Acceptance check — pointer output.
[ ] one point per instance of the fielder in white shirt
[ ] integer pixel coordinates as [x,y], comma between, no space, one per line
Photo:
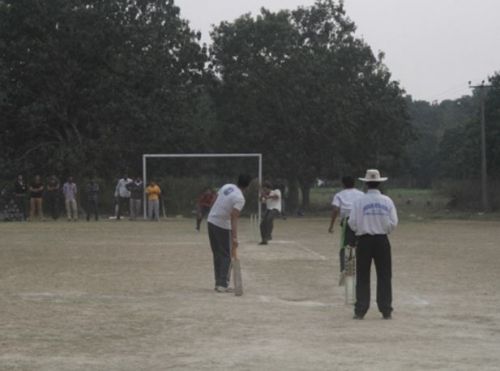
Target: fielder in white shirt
[372,218]
[341,206]
[222,224]
[272,198]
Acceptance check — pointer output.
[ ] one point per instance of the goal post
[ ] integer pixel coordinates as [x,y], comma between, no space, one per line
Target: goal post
[257,156]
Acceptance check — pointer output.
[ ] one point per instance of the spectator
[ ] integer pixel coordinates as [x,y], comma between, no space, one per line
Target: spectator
[70,191]
[136,193]
[20,192]
[36,198]
[123,195]
[52,195]
[92,199]
[153,192]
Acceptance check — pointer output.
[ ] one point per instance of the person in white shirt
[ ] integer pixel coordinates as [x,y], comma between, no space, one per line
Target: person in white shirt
[69,190]
[272,198]
[222,224]
[341,206]
[372,218]
[122,194]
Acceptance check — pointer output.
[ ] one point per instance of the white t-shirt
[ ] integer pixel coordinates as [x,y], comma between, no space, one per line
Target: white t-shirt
[372,214]
[229,197]
[274,203]
[344,200]
[121,188]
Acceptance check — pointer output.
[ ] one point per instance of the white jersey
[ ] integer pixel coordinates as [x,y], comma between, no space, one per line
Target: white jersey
[229,197]
[344,200]
[274,203]
[372,214]
[121,188]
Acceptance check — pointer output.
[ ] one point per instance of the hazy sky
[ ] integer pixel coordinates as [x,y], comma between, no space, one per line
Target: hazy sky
[433,47]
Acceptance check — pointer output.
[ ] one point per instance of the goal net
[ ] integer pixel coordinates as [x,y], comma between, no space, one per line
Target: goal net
[183,177]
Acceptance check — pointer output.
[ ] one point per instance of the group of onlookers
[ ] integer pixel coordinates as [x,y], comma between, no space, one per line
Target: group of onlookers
[36,196]
[130,192]
[40,196]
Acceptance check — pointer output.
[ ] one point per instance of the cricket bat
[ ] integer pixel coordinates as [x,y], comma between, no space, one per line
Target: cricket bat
[238,283]
[350,275]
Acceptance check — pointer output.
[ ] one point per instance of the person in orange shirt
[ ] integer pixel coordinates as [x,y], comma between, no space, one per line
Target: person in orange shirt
[153,192]
[205,201]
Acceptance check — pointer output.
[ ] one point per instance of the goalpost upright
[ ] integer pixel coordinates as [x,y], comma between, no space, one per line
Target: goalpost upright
[258,156]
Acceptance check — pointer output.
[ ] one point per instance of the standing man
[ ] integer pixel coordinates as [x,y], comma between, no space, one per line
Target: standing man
[153,192]
[341,206]
[272,198]
[372,218]
[52,196]
[92,199]
[136,192]
[122,194]
[70,191]
[223,229]
[20,192]
[36,198]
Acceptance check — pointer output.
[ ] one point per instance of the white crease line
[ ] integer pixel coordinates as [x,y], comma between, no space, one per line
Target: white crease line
[302,303]
[418,301]
[311,252]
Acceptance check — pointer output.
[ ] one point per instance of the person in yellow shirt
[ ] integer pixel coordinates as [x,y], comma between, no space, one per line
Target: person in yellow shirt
[153,192]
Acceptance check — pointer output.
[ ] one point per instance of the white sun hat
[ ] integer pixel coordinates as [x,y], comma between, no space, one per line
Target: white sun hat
[373,175]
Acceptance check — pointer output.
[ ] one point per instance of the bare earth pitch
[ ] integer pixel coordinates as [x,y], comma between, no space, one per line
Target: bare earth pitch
[139,296]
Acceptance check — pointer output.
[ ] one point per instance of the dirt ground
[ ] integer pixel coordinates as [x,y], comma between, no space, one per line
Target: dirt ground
[139,296]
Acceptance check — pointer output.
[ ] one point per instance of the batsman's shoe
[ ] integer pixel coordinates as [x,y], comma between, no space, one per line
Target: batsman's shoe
[223,289]
[358,316]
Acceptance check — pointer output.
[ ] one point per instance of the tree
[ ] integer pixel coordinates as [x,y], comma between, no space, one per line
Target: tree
[89,85]
[301,88]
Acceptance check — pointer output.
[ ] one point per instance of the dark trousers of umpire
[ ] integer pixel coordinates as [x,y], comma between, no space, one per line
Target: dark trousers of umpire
[267,224]
[378,249]
[220,242]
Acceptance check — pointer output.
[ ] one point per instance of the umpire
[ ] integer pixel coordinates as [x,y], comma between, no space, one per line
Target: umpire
[372,218]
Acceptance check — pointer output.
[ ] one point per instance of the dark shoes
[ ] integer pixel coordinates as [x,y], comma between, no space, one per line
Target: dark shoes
[386,316]
[358,316]
[263,243]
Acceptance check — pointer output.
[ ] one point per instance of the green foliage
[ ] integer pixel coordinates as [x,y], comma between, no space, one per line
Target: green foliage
[90,85]
[309,94]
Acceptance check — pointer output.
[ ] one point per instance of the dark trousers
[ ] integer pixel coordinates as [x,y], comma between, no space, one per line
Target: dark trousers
[267,224]
[21,203]
[378,249]
[92,208]
[52,203]
[220,242]
[123,203]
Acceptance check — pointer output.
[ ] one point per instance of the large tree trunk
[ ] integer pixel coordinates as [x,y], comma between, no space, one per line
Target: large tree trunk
[305,188]
[292,201]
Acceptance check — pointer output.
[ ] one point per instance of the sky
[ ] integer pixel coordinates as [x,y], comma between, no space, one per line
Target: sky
[432,47]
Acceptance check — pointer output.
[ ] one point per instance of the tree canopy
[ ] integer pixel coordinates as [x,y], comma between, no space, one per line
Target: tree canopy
[309,95]
[90,85]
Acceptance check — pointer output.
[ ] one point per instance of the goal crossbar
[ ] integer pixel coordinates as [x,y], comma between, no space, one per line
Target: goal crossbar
[257,156]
